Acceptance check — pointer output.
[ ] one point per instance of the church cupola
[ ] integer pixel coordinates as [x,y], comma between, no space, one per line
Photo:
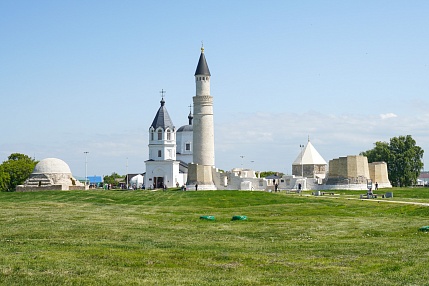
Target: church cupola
[190,117]
[162,118]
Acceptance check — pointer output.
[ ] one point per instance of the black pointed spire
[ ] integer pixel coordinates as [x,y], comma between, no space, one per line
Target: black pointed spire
[202,67]
[190,116]
[162,118]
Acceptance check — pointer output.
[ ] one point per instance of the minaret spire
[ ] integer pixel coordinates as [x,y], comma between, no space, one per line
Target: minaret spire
[202,67]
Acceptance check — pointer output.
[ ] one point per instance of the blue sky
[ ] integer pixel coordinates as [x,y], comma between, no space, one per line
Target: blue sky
[80,76]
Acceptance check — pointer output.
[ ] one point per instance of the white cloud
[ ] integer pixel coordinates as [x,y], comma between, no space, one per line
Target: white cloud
[388,115]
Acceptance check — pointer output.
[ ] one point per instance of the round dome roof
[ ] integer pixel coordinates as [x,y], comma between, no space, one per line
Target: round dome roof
[51,165]
[185,128]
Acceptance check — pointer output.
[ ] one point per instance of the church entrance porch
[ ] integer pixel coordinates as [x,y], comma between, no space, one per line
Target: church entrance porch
[158,182]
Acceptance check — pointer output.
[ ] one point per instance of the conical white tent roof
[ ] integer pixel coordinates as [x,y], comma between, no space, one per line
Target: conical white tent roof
[137,180]
[310,156]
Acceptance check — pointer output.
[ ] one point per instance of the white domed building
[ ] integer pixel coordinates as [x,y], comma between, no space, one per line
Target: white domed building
[50,174]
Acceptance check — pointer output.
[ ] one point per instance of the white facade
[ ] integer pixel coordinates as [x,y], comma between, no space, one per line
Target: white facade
[162,144]
[159,173]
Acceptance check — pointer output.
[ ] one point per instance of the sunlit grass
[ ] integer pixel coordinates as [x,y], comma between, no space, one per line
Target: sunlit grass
[157,238]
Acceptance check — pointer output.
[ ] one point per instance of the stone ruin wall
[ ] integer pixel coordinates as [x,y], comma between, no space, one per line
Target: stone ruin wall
[378,172]
[349,167]
[357,166]
[348,170]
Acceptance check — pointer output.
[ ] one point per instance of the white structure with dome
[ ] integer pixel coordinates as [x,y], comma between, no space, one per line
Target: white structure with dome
[51,174]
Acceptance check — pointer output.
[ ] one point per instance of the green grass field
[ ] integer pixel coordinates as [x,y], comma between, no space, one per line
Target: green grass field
[158,238]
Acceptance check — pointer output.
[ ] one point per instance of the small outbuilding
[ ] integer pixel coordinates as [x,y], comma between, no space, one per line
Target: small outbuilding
[309,163]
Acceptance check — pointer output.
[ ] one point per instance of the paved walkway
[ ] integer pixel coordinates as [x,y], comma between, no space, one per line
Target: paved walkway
[376,200]
[398,202]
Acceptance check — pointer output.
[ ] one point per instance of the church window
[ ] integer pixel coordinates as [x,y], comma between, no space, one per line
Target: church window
[188,147]
[168,134]
[159,153]
[159,134]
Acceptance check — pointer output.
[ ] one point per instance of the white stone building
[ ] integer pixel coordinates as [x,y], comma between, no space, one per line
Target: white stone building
[162,168]
[51,174]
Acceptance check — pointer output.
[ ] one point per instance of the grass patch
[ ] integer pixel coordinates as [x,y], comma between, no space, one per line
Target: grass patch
[157,238]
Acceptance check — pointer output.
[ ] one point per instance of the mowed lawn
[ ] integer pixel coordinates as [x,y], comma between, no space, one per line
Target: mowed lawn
[158,238]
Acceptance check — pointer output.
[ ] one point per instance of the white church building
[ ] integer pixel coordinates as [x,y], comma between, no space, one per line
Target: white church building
[162,167]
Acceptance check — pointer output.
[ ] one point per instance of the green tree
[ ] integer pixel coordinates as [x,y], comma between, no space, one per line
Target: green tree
[15,171]
[269,173]
[111,179]
[4,179]
[403,158]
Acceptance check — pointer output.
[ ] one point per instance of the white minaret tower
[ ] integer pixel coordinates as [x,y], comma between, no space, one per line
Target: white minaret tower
[203,116]
[201,170]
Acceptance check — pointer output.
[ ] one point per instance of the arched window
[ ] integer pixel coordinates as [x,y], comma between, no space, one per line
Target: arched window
[160,134]
[151,135]
[168,134]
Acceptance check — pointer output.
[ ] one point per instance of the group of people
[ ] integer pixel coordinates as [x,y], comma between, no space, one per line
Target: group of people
[183,188]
